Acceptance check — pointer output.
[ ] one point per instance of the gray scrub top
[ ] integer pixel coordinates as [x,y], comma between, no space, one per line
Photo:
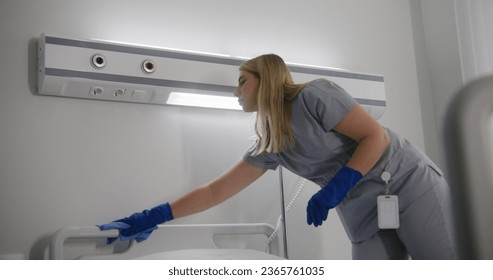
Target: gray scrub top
[319,152]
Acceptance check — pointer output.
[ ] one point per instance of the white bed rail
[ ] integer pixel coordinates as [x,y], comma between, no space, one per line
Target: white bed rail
[468,142]
[163,239]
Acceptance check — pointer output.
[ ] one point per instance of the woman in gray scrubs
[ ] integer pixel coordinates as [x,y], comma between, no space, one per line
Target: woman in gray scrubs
[318,131]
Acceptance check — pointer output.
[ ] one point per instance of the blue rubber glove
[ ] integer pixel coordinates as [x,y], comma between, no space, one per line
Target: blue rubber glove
[331,195]
[139,226]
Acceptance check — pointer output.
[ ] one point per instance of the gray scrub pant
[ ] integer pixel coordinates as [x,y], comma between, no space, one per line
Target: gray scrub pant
[425,232]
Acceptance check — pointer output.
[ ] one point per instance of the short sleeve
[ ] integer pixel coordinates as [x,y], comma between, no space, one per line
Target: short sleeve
[327,102]
[260,161]
[319,107]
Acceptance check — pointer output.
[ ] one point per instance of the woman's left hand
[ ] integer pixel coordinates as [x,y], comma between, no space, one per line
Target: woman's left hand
[331,195]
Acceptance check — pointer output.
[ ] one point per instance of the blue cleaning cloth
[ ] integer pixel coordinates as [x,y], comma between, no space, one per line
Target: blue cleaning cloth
[140,236]
[139,226]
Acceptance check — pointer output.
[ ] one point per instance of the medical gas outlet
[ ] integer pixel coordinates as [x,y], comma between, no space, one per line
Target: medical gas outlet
[102,70]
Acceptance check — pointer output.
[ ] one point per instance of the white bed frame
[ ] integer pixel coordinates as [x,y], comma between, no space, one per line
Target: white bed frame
[172,238]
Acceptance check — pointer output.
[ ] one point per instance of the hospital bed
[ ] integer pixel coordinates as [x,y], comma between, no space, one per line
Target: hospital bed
[468,148]
[176,242]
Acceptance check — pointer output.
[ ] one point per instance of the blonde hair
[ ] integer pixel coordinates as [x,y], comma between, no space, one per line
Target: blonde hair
[275,92]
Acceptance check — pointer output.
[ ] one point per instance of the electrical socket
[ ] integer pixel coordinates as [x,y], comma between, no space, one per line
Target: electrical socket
[119,92]
[96,91]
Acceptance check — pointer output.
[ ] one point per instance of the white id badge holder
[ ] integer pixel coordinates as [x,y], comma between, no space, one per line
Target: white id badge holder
[387,207]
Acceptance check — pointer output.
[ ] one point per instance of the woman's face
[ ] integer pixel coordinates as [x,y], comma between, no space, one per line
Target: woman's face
[247,91]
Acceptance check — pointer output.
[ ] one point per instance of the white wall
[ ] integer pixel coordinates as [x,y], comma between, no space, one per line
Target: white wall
[453,42]
[79,162]
[437,62]
[475,33]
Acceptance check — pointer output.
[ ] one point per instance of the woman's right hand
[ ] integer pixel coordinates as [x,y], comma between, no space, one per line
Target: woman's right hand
[140,225]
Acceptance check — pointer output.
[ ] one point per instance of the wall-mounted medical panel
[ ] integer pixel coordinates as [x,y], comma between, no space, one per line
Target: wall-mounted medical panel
[101,70]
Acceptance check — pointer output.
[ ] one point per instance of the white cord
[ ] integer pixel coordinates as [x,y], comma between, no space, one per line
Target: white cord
[290,204]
